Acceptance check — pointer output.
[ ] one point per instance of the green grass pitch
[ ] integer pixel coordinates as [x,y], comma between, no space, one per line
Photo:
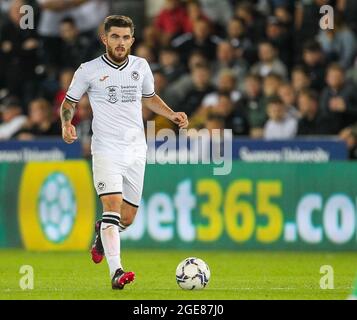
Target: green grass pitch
[235,275]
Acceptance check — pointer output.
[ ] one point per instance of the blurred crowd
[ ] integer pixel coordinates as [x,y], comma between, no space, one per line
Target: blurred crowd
[263,68]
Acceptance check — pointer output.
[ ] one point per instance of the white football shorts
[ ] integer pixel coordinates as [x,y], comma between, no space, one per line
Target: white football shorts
[121,174]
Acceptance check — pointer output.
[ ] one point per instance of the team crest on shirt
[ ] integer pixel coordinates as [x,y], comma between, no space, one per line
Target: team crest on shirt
[112,92]
[101,186]
[135,75]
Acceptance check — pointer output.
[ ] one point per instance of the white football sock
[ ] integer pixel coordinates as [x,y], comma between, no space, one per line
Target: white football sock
[109,233]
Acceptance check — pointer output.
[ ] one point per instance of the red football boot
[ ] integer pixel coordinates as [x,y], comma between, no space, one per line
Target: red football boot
[121,278]
[97,250]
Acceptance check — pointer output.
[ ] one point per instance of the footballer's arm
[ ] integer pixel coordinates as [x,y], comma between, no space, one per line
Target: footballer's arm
[157,105]
[69,134]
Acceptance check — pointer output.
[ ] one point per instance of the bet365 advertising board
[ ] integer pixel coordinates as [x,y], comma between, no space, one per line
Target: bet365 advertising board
[53,206]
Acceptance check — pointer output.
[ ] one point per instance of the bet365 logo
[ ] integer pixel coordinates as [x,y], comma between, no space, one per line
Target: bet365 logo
[327,20]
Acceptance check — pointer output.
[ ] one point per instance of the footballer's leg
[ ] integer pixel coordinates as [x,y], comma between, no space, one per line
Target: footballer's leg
[111,240]
[105,184]
[108,182]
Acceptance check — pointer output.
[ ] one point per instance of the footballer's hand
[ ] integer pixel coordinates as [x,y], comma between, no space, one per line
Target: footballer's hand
[69,134]
[180,118]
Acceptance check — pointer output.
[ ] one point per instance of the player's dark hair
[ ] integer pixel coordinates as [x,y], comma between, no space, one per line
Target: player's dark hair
[118,21]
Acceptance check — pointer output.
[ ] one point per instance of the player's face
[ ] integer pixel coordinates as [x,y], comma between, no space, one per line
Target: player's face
[118,42]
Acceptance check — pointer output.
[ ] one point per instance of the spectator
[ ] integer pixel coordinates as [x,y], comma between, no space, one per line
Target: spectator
[226,84]
[194,13]
[12,118]
[348,8]
[217,102]
[18,55]
[180,88]
[151,37]
[315,64]
[279,125]
[269,61]
[254,21]
[284,16]
[307,18]
[226,60]
[89,14]
[171,20]
[73,47]
[201,39]
[312,121]
[253,106]
[52,13]
[339,99]
[220,12]
[40,122]
[339,43]
[237,36]
[271,85]
[300,79]
[95,46]
[349,136]
[170,64]
[281,38]
[287,94]
[201,87]
[143,51]
[215,121]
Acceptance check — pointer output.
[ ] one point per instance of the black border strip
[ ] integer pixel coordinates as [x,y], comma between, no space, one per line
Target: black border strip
[109,193]
[132,204]
[110,221]
[109,63]
[71,99]
[124,65]
[148,95]
[111,216]
[113,65]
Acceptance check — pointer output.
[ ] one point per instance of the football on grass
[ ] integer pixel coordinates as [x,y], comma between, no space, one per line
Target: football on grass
[192,274]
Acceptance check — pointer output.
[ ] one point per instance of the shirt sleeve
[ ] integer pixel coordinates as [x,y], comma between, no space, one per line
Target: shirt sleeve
[148,90]
[78,86]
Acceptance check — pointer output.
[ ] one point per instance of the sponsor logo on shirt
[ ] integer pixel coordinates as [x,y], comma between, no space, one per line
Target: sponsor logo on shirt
[112,92]
[135,75]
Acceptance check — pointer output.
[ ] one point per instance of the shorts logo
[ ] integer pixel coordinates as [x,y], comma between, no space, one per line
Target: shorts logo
[112,92]
[135,75]
[101,186]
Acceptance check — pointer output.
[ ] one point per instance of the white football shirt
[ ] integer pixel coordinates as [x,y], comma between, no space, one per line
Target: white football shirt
[115,93]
